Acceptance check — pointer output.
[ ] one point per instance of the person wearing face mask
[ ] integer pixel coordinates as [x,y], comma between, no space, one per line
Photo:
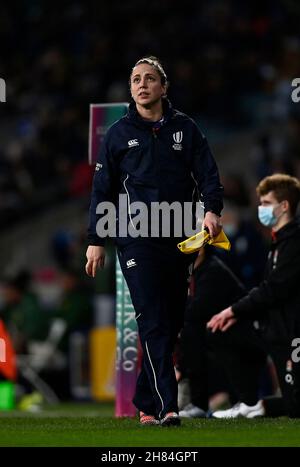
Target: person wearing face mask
[248,253]
[276,300]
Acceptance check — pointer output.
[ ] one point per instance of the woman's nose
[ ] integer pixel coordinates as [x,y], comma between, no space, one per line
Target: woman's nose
[143,82]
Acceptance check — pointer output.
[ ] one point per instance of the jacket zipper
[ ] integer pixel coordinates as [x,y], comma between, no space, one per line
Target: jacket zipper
[156,157]
[128,199]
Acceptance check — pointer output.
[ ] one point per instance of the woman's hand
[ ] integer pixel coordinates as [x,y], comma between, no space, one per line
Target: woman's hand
[95,259]
[213,223]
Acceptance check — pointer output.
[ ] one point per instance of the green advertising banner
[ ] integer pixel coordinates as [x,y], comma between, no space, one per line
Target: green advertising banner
[102,116]
[127,349]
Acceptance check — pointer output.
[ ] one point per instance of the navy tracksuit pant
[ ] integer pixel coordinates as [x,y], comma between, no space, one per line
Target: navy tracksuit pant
[157,274]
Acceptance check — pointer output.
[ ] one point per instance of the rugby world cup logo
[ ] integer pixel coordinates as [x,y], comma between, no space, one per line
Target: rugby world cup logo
[177,137]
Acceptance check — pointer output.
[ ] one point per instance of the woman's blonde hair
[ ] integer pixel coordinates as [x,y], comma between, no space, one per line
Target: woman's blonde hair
[156,64]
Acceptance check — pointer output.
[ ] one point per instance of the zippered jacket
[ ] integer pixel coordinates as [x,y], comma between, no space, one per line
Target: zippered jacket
[170,161]
[277,298]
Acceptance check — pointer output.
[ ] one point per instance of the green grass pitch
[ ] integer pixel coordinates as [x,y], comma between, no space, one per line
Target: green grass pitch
[82,424]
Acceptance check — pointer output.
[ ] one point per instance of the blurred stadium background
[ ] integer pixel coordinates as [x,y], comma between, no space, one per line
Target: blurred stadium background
[230,66]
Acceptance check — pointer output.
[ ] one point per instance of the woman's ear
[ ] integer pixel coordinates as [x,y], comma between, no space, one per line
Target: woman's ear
[165,89]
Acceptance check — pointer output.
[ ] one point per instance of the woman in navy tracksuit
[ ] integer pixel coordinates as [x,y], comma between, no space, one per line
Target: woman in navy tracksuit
[153,154]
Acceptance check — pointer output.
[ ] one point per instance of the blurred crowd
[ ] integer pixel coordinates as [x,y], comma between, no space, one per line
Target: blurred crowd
[49,313]
[230,65]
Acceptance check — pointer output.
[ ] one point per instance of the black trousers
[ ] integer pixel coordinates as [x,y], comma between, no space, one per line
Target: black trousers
[215,362]
[241,366]
[156,273]
[243,356]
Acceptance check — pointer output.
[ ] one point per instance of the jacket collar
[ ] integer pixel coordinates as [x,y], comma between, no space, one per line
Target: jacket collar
[286,231]
[135,117]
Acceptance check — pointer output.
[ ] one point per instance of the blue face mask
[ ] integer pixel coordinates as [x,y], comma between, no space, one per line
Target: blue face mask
[266,215]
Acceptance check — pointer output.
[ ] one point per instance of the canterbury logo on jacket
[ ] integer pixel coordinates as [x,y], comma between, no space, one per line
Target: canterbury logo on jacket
[168,161]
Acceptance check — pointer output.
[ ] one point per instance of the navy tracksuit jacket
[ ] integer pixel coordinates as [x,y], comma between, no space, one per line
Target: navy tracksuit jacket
[148,162]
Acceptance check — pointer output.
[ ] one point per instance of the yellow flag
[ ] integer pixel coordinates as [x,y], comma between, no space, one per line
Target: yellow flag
[194,243]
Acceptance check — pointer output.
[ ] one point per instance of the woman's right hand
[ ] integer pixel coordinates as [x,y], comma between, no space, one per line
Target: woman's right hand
[95,259]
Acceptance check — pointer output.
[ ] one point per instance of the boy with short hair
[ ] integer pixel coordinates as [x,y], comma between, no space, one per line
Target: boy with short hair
[276,300]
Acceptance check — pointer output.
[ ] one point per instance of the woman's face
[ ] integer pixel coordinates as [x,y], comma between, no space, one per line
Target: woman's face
[145,85]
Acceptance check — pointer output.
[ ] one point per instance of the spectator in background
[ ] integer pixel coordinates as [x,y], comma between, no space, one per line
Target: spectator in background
[270,154]
[222,42]
[63,248]
[235,190]
[248,250]
[75,305]
[294,140]
[200,362]
[275,301]
[21,313]
[27,324]
[73,314]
